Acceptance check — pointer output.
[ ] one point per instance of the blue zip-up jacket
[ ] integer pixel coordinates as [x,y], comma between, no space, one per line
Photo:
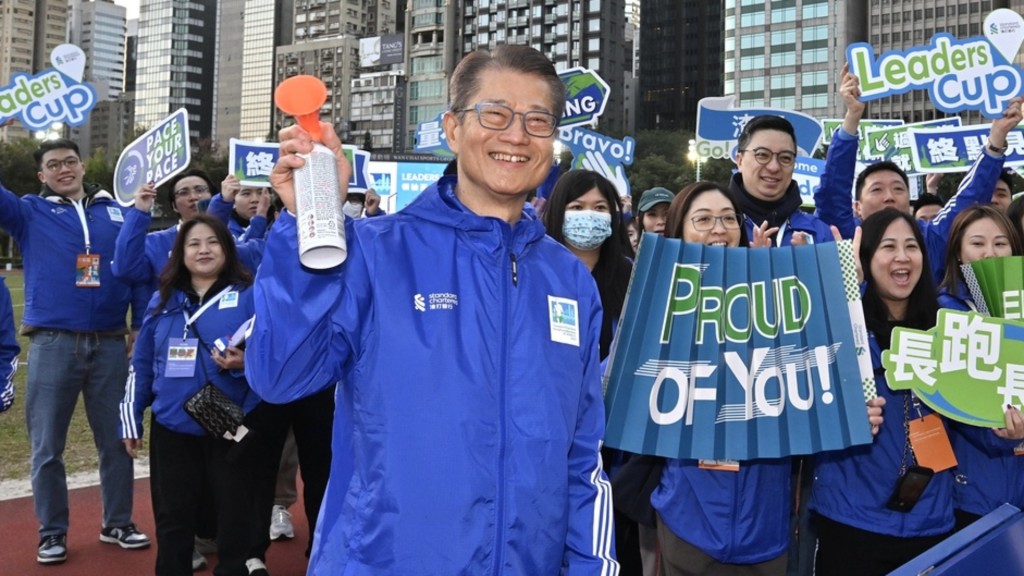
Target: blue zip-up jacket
[835,203]
[735,517]
[140,255]
[9,348]
[988,473]
[50,234]
[466,352]
[852,486]
[254,230]
[148,385]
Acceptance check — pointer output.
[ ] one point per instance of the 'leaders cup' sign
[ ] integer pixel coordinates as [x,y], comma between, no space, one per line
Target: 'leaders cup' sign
[53,95]
[976,73]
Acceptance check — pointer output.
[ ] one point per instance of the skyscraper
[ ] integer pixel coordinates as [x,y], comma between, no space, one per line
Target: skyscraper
[177,46]
[29,31]
[98,28]
[680,61]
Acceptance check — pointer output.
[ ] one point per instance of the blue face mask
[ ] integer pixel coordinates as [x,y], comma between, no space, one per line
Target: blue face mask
[586,229]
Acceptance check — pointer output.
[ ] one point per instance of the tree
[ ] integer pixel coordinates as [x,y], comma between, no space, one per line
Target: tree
[97,171]
[18,169]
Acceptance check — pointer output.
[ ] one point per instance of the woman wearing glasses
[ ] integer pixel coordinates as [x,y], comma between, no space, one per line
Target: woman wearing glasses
[732,516]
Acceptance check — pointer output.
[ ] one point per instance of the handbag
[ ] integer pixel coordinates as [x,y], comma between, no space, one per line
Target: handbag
[216,413]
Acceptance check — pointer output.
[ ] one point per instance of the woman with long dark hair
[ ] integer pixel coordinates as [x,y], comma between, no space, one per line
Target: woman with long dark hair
[204,295]
[867,519]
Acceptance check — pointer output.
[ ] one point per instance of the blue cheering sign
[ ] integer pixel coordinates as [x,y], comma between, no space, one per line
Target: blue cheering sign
[53,95]
[252,162]
[586,94]
[360,161]
[954,149]
[975,73]
[156,156]
[719,126]
[734,353]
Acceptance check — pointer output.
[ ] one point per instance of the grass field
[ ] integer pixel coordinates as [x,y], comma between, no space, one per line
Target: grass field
[80,454]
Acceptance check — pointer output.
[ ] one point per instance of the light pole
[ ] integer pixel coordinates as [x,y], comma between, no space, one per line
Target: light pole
[695,158]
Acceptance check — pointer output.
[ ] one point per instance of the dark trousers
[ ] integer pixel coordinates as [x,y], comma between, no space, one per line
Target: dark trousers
[311,420]
[843,549]
[182,468]
[680,558]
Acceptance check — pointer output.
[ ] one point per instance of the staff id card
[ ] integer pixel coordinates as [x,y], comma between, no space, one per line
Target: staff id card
[87,271]
[181,357]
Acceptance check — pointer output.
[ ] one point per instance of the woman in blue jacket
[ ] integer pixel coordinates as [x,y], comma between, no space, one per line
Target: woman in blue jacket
[989,472]
[710,518]
[204,295]
[857,532]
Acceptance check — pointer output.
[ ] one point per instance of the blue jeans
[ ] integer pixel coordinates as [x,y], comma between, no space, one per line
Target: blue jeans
[62,364]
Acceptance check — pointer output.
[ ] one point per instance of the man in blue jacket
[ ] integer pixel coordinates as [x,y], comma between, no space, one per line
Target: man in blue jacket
[75,318]
[885,185]
[465,346]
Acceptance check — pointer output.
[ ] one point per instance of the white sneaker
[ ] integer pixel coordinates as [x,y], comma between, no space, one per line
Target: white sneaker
[281,523]
[198,560]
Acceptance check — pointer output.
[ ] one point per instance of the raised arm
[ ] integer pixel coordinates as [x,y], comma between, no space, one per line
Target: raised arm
[130,262]
[834,197]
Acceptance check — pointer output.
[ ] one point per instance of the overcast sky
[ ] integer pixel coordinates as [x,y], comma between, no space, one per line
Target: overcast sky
[131,5]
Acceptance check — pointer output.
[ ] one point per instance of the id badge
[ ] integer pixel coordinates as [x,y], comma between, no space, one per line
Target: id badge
[181,357]
[931,444]
[87,271]
[1019,449]
[720,465]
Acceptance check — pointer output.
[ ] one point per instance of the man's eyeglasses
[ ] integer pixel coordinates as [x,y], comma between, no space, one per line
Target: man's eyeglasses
[499,117]
[71,162]
[706,222]
[195,190]
[764,156]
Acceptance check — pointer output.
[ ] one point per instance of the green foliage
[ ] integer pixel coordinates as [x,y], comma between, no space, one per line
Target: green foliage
[18,169]
[98,171]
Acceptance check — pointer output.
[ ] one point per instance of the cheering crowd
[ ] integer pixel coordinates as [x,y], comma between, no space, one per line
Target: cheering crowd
[442,387]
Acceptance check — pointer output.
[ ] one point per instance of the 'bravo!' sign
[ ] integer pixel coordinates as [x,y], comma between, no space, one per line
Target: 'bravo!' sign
[972,74]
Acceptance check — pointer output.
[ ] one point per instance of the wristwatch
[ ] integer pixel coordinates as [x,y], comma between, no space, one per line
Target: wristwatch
[1000,150]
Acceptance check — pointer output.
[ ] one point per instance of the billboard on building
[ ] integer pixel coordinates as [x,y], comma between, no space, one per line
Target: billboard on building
[381,50]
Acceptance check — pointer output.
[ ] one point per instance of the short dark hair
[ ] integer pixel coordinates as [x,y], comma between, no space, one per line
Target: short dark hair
[465,80]
[1007,177]
[878,167]
[55,144]
[187,173]
[681,204]
[927,199]
[1016,214]
[767,122]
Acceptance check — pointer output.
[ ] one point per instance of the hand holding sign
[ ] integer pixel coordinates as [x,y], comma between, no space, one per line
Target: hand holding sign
[230,187]
[1014,429]
[1001,127]
[145,197]
[849,89]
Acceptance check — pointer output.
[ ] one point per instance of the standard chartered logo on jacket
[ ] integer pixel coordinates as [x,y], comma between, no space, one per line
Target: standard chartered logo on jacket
[436,301]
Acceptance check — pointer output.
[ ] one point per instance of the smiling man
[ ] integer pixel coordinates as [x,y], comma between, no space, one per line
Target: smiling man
[477,452]
[75,319]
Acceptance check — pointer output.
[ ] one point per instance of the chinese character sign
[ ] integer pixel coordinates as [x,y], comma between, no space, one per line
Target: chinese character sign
[719,126]
[954,149]
[735,353]
[430,138]
[965,368]
[975,73]
[156,157]
[251,162]
[895,143]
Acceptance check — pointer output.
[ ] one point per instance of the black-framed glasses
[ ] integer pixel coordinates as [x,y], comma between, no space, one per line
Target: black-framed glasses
[71,162]
[764,156]
[186,191]
[706,222]
[499,117]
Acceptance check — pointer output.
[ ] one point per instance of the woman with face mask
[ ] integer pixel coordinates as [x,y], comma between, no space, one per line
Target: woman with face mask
[583,214]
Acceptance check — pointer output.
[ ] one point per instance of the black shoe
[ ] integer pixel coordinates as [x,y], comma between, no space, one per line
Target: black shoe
[127,537]
[53,549]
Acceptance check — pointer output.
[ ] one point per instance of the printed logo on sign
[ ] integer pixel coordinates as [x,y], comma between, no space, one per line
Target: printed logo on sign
[563,314]
[585,96]
[419,303]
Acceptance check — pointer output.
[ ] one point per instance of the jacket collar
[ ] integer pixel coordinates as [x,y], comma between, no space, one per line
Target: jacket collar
[93,192]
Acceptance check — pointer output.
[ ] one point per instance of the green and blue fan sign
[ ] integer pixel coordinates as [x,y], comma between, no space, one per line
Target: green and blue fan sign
[737,353]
